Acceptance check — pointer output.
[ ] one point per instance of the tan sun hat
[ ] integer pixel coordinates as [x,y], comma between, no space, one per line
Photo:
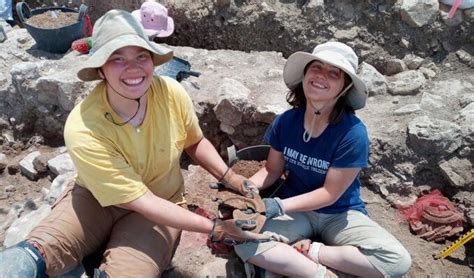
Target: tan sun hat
[114,30]
[336,54]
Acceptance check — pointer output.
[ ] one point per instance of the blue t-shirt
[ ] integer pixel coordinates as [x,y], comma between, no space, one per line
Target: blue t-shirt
[341,145]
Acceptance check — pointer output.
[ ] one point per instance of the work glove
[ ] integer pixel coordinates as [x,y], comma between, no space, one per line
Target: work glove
[234,231]
[231,204]
[239,183]
[273,207]
[277,237]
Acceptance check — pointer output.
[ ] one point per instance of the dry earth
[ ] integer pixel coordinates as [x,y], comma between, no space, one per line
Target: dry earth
[194,259]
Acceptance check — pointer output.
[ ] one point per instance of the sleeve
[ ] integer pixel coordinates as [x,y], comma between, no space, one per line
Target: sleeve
[272,135]
[102,169]
[353,150]
[188,115]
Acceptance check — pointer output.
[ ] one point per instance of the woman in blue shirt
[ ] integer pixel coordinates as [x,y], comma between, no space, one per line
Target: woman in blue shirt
[322,146]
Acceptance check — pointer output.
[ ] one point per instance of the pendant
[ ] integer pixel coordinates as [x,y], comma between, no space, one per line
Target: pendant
[137,130]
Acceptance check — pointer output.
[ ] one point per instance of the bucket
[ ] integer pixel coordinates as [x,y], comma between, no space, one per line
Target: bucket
[256,153]
[57,40]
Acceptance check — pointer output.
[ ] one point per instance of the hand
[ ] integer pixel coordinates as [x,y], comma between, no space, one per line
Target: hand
[273,207]
[235,230]
[277,237]
[240,184]
[302,246]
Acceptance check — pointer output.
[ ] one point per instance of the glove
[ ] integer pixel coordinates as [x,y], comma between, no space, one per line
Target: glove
[239,183]
[277,237]
[234,231]
[273,207]
[230,204]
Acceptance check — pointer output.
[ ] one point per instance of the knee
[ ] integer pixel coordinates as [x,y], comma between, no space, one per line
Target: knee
[399,264]
[403,265]
[22,260]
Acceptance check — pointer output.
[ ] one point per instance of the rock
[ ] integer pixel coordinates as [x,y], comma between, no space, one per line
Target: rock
[314,9]
[417,13]
[427,73]
[433,137]
[61,164]
[344,35]
[3,162]
[26,166]
[466,99]
[375,81]
[406,83]
[23,225]
[464,56]
[466,122]
[58,185]
[40,163]
[404,43]
[431,102]
[232,102]
[458,172]
[408,109]
[469,15]
[58,89]
[394,66]
[412,61]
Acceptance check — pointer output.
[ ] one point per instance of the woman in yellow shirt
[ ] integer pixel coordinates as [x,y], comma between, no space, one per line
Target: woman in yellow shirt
[125,139]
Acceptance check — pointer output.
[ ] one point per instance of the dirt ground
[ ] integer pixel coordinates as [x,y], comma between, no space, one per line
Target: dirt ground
[52,19]
[194,259]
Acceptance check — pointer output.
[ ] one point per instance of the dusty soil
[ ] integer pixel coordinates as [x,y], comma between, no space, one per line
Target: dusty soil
[198,194]
[52,19]
[194,259]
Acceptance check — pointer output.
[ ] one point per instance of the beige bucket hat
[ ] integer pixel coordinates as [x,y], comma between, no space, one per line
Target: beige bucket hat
[336,54]
[114,30]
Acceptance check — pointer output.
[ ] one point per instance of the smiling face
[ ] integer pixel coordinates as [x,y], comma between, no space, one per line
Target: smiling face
[129,71]
[322,83]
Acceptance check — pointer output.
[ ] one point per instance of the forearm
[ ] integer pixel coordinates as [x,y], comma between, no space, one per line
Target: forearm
[264,178]
[204,154]
[161,211]
[336,183]
[315,199]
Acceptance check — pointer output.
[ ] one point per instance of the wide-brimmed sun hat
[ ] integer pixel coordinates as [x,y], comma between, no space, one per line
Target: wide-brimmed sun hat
[155,20]
[112,31]
[336,54]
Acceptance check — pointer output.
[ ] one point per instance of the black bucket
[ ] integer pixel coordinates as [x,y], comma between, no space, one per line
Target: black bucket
[56,40]
[256,153]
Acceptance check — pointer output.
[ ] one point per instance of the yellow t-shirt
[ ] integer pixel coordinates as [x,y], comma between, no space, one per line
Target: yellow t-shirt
[117,163]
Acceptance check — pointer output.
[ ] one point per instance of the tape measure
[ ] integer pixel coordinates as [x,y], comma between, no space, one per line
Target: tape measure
[455,245]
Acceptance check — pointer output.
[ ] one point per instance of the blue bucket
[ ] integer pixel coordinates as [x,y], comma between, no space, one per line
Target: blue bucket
[57,40]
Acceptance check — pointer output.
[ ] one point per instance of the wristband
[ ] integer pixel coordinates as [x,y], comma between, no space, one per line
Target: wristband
[211,233]
[225,173]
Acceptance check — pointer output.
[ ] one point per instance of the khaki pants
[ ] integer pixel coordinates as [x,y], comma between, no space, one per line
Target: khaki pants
[79,226]
[354,228]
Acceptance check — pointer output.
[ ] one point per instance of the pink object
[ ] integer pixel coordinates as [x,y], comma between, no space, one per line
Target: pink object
[155,20]
[454,8]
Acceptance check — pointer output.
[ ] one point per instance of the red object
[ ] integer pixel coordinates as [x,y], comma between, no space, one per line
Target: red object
[87,26]
[433,217]
[433,199]
[82,45]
